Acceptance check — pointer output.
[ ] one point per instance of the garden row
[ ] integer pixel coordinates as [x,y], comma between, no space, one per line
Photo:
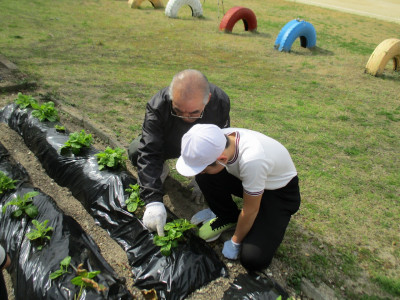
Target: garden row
[104,191]
[48,261]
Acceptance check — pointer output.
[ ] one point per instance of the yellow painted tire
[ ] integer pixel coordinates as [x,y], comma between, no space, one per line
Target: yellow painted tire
[137,3]
[385,51]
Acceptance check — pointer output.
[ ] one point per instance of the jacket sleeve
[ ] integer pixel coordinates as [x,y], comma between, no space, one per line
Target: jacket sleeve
[225,105]
[151,157]
[226,117]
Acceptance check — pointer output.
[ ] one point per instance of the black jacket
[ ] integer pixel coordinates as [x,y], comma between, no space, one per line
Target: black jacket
[162,134]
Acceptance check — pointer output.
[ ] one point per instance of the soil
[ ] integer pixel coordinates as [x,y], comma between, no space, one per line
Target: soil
[176,199]
[11,79]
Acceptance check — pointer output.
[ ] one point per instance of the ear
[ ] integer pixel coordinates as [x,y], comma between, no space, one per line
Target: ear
[223,158]
[209,97]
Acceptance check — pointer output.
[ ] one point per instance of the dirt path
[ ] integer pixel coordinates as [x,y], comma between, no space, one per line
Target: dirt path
[388,10]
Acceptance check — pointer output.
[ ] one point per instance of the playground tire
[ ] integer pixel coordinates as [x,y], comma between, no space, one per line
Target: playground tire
[291,31]
[385,51]
[173,6]
[137,3]
[235,14]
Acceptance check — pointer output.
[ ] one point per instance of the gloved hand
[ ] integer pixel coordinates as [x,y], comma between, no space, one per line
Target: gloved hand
[231,249]
[197,195]
[155,217]
[202,216]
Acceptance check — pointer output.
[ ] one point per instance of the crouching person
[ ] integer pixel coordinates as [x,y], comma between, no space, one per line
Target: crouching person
[247,164]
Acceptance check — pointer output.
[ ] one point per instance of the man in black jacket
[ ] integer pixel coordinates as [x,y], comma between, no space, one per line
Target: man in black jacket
[190,99]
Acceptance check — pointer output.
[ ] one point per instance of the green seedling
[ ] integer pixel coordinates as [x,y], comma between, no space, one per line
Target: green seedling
[64,264]
[6,183]
[40,234]
[46,112]
[76,141]
[85,280]
[173,234]
[24,101]
[111,158]
[24,205]
[134,201]
[59,128]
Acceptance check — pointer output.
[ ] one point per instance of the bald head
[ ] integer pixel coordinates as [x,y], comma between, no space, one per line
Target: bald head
[188,84]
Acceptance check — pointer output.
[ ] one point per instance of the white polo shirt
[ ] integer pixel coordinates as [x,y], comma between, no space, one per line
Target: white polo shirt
[260,162]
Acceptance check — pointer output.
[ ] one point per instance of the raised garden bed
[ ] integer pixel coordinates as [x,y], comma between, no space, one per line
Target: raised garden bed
[102,194]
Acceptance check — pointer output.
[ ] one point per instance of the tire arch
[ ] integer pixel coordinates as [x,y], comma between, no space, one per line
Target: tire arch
[173,6]
[387,50]
[235,14]
[137,3]
[293,30]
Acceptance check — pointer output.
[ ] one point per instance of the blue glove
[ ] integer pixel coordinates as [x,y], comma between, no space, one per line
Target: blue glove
[231,249]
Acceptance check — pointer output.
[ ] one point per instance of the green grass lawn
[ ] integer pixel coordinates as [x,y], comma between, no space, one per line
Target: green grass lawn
[340,125]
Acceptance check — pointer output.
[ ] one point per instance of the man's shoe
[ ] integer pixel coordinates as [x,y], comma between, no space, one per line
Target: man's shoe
[212,229]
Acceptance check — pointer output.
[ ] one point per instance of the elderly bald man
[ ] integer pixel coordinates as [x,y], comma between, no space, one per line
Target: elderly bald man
[189,99]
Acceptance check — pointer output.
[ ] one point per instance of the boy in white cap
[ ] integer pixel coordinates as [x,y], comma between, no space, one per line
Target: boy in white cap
[247,164]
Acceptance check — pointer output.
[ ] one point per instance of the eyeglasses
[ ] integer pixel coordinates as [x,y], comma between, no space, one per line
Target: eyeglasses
[174,114]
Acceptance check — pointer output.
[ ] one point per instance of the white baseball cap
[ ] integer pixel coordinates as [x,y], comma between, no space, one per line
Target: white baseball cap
[201,146]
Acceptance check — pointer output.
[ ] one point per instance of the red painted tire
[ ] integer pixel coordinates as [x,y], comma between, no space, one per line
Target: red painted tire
[235,14]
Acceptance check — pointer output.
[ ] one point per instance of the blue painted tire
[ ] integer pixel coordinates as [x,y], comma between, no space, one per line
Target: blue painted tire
[291,31]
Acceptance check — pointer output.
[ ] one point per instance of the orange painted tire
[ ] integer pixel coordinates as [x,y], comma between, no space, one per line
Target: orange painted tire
[235,14]
[137,3]
[385,51]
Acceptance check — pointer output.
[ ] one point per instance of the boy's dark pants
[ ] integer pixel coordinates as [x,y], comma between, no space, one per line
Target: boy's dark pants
[276,209]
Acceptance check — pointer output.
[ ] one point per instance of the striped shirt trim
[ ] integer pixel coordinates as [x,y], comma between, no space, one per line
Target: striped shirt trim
[236,155]
[253,193]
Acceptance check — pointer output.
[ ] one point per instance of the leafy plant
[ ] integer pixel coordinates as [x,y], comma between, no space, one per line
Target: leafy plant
[76,141]
[46,111]
[40,234]
[6,183]
[85,280]
[111,158]
[60,128]
[24,205]
[134,201]
[173,234]
[24,101]
[64,264]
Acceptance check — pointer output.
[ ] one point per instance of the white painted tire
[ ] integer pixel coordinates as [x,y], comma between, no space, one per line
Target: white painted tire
[173,6]
[385,51]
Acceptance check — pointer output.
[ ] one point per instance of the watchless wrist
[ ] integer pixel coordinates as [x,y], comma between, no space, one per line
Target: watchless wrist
[236,244]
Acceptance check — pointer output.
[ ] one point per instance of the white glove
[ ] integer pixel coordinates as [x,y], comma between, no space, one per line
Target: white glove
[202,216]
[155,217]
[197,195]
